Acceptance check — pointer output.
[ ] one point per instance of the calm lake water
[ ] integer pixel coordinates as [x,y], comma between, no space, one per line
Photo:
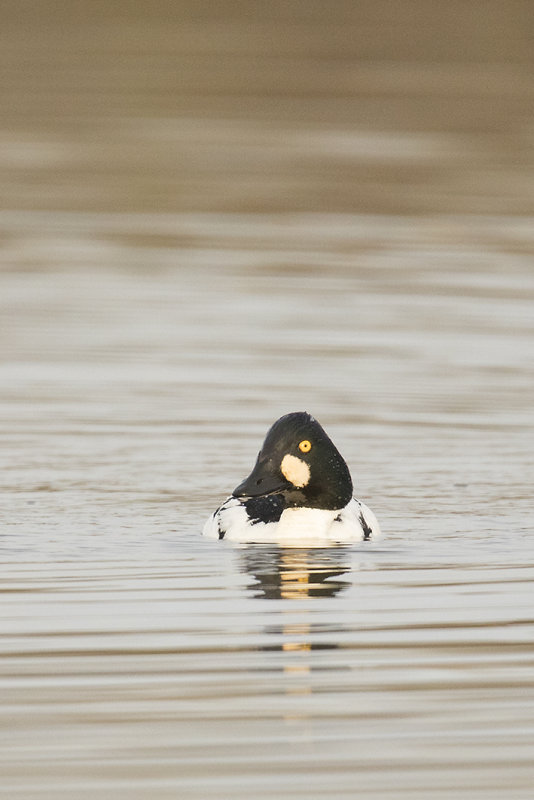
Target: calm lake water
[185,257]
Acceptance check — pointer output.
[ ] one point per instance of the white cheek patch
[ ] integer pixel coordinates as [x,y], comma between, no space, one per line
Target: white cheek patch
[295,471]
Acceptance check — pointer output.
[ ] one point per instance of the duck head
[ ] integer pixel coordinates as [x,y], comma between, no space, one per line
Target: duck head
[299,461]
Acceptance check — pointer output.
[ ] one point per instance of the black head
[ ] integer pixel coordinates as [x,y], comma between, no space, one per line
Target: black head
[299,461]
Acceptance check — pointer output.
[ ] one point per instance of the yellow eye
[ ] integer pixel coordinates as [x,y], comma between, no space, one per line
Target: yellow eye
[305,446]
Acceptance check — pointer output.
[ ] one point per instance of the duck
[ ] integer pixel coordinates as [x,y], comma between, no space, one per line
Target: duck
[299,492]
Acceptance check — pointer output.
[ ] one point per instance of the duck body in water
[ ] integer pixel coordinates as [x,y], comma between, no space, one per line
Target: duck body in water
[299,492]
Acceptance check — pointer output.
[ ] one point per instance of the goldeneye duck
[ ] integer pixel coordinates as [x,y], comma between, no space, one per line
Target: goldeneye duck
[300,491]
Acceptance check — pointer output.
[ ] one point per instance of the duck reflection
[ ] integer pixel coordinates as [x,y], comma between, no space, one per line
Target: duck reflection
[297,573]
[294,632]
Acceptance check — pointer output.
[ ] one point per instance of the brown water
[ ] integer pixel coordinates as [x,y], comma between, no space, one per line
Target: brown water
[212,217]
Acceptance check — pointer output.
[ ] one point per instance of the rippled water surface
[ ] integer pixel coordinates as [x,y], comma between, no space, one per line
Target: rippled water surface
[187,255]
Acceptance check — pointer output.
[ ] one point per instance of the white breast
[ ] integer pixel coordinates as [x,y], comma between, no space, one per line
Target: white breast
[305,523]
[297,526]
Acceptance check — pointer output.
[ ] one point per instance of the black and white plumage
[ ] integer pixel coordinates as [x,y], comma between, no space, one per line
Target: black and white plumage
[299,492]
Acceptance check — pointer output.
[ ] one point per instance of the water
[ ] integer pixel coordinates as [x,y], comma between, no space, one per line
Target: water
[175,275]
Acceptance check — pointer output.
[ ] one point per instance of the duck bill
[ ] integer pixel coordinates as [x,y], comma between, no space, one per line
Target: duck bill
[262,480]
